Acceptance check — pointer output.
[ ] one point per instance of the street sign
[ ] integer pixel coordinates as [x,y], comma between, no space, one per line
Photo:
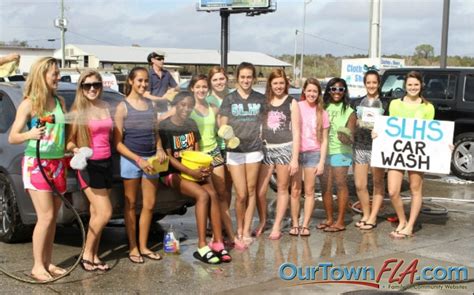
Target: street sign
[232,4]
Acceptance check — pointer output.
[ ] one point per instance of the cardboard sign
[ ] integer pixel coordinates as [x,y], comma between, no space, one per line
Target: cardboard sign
[412,144]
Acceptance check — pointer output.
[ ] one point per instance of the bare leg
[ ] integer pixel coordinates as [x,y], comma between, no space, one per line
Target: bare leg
[149,188]
[201,196]
[310,178]
[340,178]
[295,200]
[101,212]
[378,176]
[130,191]
[43,203]
[215,213]
[239,179]
[283,180]
[251,171]
[360,178]
[416,189]
[219,181]
[326,187]
[395,178]
[262,187]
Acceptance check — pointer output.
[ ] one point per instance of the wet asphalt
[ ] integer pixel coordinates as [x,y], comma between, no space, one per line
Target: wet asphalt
[444,238]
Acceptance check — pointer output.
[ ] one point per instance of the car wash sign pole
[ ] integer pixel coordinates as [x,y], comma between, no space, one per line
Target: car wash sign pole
[226,7]
[412,144]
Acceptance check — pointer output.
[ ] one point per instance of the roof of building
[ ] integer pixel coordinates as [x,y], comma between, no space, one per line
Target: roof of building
[178,56]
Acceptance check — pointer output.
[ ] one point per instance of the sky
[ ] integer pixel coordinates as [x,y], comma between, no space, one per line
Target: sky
[337,27]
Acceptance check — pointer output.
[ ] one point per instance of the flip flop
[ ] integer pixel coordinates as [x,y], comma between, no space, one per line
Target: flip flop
[305,229]
[102,266]
[371,226]
[360,223]
[293,230]
[152,256]
[323,225]
[85,262]
[333,229]
[138,259]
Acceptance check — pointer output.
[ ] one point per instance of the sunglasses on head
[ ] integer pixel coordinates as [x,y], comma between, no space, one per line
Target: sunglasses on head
[337,89]
[88,86]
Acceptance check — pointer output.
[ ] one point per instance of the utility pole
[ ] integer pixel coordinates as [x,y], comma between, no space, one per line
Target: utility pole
[374,38]
[294,56]
[444,35]
[306,2]
[61,24]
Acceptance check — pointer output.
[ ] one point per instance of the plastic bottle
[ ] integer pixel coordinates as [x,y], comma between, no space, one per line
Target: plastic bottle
[171,243]
[367,111]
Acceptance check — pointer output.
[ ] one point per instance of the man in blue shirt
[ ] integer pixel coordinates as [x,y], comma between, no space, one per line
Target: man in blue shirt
[160,80]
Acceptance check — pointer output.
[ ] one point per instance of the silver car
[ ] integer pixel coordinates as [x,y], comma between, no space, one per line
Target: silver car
[17,215]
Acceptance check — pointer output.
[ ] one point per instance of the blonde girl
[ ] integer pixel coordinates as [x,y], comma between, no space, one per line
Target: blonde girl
[40,100]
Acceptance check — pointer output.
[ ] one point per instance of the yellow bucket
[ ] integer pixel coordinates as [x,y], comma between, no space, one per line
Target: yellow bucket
[194,160]
[157,166]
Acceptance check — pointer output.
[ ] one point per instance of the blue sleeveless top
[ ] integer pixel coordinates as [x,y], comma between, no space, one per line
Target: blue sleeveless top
[139,130]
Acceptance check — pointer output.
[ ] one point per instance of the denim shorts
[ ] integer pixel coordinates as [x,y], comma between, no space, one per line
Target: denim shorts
[309,159]
[340,160]
[130,170]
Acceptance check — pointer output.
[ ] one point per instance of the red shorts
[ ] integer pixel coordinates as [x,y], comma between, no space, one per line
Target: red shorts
[55,170]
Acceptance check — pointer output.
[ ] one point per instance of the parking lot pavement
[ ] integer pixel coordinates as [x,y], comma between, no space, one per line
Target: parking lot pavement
[443,241]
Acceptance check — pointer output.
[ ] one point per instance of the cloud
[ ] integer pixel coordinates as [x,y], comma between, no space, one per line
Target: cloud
[338,27]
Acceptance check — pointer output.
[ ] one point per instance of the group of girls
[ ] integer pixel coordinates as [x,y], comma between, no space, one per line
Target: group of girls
[317,136]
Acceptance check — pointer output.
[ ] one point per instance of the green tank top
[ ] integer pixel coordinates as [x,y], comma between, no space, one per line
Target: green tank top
[217,102]
[207,129]
[52,143]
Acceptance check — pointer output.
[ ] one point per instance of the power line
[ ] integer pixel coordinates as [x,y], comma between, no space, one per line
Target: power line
[337,43]
[87,37]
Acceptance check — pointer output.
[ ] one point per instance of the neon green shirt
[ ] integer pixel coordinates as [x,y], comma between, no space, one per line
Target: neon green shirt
[52,143]
[211,99]
[399,108]
[207,129]
[338,118]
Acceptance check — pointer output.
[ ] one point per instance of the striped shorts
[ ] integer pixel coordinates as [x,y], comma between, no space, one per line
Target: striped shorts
[362,156]
[277,153]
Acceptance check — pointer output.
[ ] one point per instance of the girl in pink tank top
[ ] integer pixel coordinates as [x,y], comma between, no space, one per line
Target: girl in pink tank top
[91,128]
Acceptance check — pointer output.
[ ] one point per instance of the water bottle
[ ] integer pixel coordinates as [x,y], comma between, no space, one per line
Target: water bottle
[171,243]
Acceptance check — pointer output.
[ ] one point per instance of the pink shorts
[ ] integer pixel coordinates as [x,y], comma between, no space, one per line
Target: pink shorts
[55,170]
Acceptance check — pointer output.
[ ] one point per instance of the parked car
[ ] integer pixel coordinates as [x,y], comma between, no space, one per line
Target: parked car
[17,215]
[452,93]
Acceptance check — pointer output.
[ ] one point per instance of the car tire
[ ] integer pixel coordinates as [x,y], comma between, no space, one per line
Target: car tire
[12,228]
[462,163]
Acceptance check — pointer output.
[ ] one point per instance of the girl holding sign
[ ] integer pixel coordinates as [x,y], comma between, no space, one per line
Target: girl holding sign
[412,105]
[367,108]
[343,121]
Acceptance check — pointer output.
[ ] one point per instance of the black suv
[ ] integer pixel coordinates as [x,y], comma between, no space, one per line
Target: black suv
[17,215]
[451,91]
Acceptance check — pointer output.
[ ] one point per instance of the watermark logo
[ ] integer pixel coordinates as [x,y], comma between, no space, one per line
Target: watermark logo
[395,271]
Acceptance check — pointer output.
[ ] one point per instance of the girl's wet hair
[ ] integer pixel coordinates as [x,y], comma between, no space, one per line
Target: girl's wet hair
[182,96]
